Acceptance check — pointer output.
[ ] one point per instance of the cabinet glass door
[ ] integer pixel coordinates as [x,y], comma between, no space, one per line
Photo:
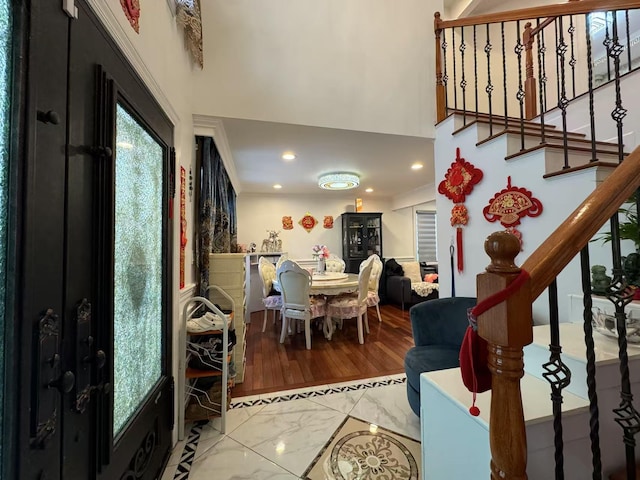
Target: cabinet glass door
[373,236]
[355,227]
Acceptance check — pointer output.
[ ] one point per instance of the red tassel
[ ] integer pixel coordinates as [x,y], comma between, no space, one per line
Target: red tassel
[459,249]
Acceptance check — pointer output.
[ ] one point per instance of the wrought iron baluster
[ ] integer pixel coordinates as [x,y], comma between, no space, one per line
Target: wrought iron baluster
[620,296]
[475,69]
[520,93]
[587,317]
[455,82]
[607,43]
[563,102]
[618,112]
[558,375]
[555,24]
[463,81]
[626,17]
[592,116]
[445,77]
[572,59]
[504,77]
[543,80]
[489,87]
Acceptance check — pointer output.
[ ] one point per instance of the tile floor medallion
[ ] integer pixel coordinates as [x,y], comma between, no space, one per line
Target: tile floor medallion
[293,434]
[360,450]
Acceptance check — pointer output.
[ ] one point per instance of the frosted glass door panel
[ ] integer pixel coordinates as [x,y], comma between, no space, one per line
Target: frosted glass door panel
[138,267]
[5,86]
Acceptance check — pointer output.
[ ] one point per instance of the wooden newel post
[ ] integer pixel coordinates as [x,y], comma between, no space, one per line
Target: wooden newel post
[441,107]
[530,104]
[507,328]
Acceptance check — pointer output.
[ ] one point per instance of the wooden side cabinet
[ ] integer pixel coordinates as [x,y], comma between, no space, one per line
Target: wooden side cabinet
[227,271]
[361,237]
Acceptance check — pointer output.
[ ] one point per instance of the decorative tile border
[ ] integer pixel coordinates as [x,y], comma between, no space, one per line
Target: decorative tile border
[337,388]
[189,452]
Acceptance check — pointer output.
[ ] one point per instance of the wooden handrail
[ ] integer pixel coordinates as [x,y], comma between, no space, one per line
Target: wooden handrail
[576,231]
[570,8]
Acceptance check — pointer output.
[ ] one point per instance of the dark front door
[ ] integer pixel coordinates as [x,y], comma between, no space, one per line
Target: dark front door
[96,304]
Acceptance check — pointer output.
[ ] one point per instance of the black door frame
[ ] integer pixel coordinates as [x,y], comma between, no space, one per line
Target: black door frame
[40,84]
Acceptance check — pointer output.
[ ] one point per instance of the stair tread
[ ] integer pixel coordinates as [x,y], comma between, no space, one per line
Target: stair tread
[497,119]
[528,127]
[535,397]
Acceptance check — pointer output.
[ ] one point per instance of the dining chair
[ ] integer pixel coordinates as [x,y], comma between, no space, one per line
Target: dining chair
[352,306]
[270,300]
[295,285]
[334,264]
[373,299]
[282,258]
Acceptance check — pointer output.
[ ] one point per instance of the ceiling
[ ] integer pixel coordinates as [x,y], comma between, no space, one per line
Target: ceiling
[382,161]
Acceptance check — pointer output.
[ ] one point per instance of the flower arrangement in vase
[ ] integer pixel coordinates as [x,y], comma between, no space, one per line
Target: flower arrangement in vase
[321,253]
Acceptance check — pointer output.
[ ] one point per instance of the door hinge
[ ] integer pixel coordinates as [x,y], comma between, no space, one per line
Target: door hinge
[69,7]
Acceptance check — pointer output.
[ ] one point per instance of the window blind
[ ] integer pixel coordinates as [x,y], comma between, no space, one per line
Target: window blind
[426,236]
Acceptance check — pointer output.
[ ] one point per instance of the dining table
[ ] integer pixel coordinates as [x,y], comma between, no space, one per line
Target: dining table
[329,284]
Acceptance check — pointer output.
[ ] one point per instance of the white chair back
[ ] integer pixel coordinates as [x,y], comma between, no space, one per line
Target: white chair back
[376,271]
[267,273]
[363,283]
[295,285]
[334,264]
[281,260]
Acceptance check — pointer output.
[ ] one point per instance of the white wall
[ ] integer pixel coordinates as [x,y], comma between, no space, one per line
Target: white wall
[258,213]
[559,195]
[359,65]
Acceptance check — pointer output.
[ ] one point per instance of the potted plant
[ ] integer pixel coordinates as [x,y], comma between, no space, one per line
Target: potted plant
[629,229]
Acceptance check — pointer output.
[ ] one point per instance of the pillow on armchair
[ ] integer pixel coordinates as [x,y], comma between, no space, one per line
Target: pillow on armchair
[412,271]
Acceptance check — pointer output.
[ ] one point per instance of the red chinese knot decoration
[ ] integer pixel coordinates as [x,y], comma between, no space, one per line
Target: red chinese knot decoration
[458,182]
[510,205]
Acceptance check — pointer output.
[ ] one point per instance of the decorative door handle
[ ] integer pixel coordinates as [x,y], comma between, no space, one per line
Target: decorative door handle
[64,383]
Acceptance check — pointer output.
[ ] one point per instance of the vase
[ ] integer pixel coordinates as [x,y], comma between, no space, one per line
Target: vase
[320,269]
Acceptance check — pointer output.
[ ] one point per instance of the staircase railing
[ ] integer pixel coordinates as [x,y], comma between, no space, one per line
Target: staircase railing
[499,81]
[508,326]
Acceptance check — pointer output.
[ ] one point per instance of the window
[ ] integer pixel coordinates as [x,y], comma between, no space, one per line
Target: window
[426,236]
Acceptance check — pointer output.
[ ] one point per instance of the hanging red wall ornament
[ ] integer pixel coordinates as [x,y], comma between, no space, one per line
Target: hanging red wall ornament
[458,182]
[510,205]
[131,9]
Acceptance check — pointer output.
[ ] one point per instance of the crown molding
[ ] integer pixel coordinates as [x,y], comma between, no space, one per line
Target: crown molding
[213,127]
[108,18]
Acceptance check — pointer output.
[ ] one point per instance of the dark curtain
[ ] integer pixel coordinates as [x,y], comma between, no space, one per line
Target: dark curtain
[217,232]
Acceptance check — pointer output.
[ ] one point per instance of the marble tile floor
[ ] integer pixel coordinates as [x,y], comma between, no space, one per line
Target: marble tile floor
[278,435]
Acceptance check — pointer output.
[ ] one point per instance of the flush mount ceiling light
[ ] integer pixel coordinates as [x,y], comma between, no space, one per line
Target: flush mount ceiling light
[288,156]
[338,181]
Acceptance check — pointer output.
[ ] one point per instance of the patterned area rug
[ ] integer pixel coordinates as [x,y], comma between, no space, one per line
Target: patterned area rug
[359,450]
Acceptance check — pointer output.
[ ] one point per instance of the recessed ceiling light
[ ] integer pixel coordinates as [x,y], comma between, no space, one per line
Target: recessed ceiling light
[288,156]
[277,186]
[416,166]
[369,190]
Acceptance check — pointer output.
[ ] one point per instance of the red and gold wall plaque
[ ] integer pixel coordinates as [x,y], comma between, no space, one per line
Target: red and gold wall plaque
[287,223]
[308,222]
[328,221]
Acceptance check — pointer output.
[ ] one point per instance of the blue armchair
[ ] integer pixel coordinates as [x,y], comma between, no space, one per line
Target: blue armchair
[438,329]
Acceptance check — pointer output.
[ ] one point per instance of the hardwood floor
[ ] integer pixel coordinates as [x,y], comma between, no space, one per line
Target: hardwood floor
[272,366]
